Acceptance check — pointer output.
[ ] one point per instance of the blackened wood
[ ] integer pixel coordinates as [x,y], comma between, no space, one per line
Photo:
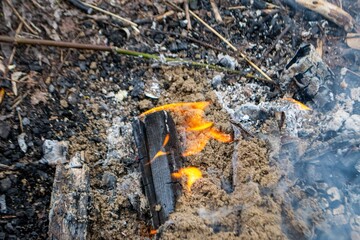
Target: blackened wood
[69,200]
[160,188]
[140,141]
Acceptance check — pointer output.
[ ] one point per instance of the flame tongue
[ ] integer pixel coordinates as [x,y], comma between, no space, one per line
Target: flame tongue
[192,174]
[191,116]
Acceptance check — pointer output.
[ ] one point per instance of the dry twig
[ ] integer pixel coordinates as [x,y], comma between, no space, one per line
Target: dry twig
[132,24]
[331,12]
[186,7]
[216,11]
[21,18]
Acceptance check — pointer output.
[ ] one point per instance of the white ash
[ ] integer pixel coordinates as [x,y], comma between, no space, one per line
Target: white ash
[54,152]
[119,139]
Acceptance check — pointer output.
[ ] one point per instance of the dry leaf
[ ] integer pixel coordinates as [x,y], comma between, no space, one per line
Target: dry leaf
[353,40]
[38,97]
[2,94]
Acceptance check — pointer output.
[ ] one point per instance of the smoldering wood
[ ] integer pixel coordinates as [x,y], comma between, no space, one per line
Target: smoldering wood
[160,188]
[69,200]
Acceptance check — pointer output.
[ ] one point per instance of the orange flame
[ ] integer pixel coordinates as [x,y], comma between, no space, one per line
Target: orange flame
[300,104]
[191,173]
[153,231]
[161,152]
[199,130]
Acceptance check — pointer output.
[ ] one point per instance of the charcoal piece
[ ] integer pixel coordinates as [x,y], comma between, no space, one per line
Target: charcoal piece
[312,77]
[69,200]
[160,188]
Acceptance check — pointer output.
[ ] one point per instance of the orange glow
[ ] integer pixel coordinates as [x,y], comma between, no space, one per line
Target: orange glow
[191,116]
[153,231]
[300,104]
[191,173]
[161,152]
[220,136]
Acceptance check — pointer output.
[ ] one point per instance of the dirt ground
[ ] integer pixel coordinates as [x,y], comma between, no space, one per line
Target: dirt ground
[89,98]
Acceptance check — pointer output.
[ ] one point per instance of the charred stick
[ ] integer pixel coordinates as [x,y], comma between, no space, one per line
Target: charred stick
[81,6]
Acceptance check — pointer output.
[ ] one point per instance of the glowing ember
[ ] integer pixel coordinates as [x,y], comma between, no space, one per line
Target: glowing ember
[300,104]
[153,231]
[191,116]
[191,173]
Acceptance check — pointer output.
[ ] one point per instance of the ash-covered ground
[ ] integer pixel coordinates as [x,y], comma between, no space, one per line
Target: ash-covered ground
[291,173]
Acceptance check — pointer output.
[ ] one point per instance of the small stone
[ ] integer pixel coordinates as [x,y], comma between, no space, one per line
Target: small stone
[93,65]
[25,121]
[5,184]
[54,152]
[216,81]
[22,143]
[109,180]
[145,104]
[82,57]
[3,208]
[51,88]
[227,61]
[121,95]
[4,130]
[64,103]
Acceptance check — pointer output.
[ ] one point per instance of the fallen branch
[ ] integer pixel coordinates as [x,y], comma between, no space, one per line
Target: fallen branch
[122,51]
[331,12]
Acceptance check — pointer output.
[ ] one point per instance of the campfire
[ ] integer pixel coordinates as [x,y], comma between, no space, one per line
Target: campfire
[190,117]
[179,119]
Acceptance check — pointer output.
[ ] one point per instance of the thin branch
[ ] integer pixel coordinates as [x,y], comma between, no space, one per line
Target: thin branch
[122,51]
[134,25]
[216,11]
[186,7]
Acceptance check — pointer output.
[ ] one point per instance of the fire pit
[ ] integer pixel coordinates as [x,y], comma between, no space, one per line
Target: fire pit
[179,120]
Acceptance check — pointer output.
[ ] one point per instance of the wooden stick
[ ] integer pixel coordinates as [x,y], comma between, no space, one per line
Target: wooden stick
[162,16]
[122,51]
[216,11]
[134,25]
[331,12]
[186,7]
[21,18]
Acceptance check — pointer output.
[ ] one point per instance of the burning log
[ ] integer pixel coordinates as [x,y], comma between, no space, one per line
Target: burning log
[69,200]
[159,157]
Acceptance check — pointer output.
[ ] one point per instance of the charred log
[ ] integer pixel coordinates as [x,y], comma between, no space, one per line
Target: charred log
[156,134]
[69,200]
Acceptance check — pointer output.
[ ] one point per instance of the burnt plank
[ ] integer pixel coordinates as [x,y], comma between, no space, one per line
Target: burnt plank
[69,200]
[160,188]
[140,141]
